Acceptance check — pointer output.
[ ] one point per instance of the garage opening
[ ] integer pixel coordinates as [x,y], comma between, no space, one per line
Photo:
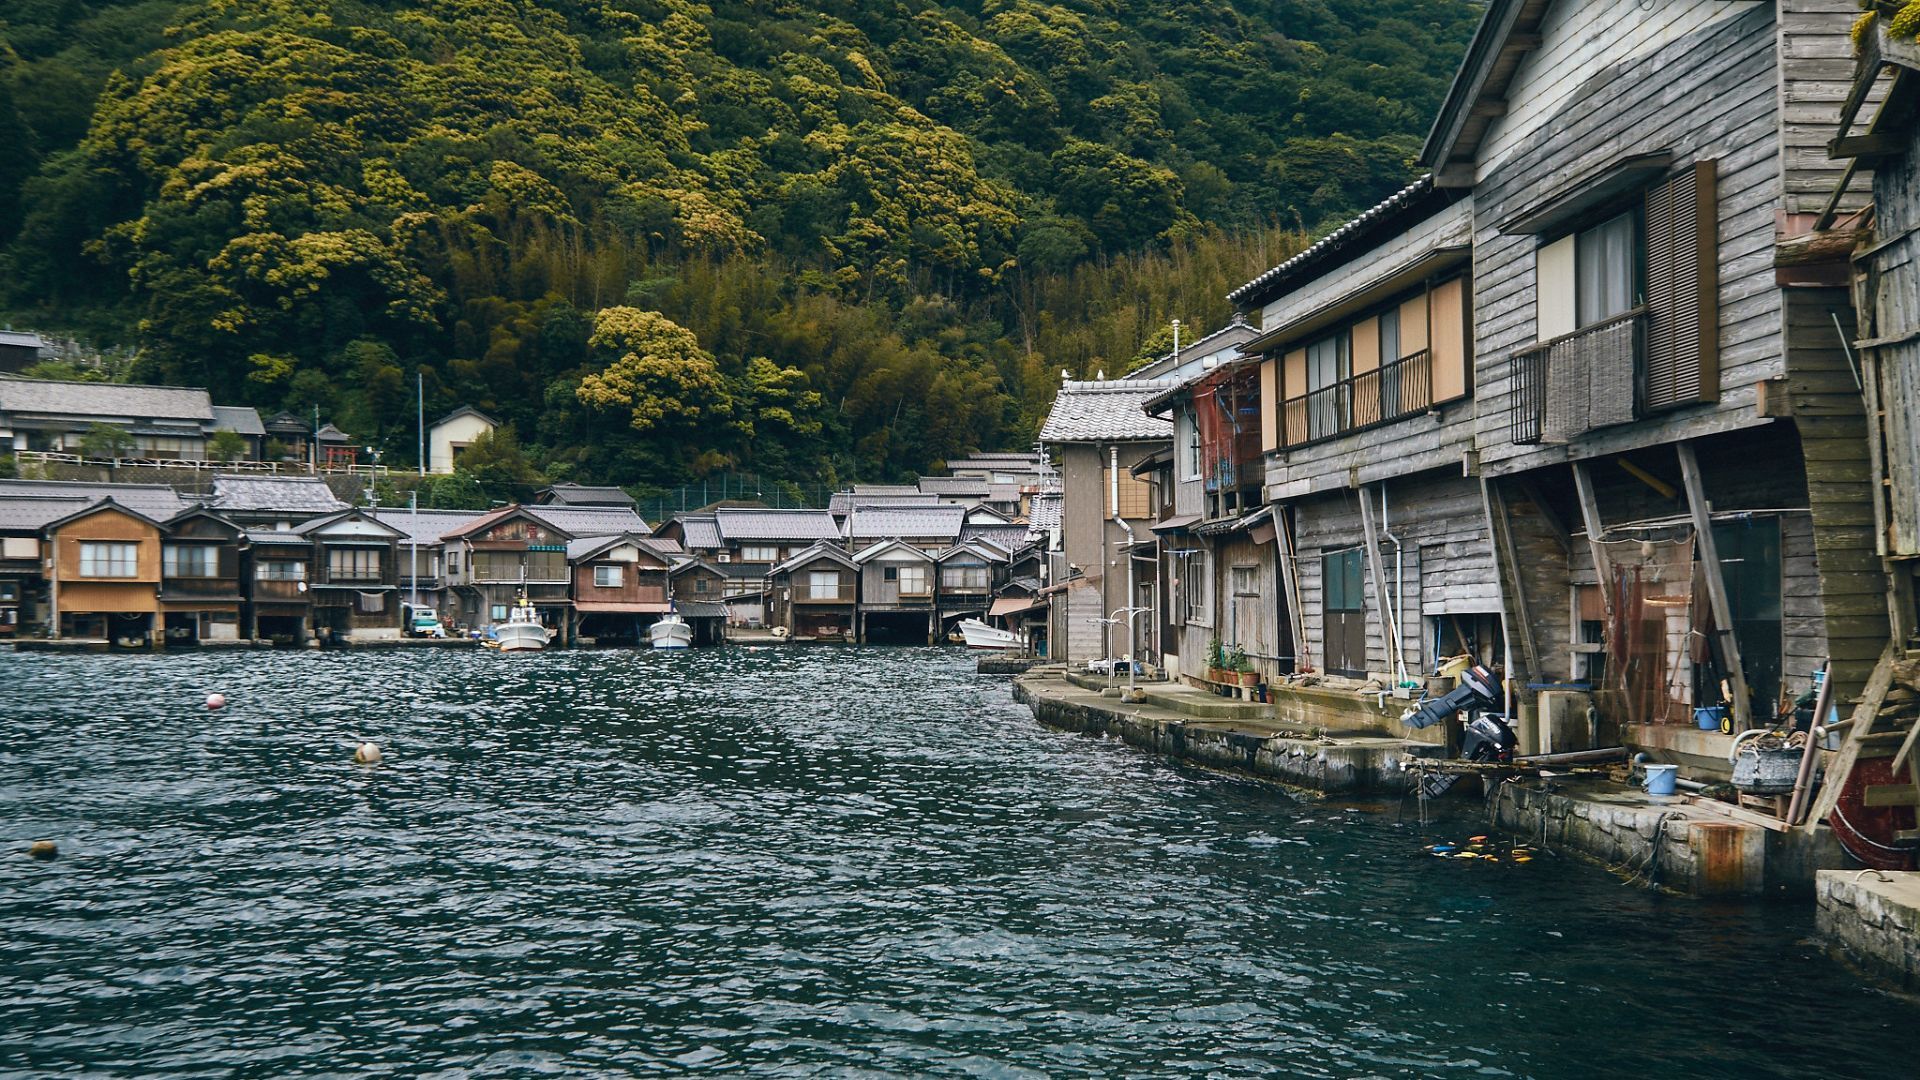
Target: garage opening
[898,627]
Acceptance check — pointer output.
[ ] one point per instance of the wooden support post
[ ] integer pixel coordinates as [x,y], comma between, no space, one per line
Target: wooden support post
[1596,528]
[1290,585]
[1864,716]
[1506,561]
[1389,619]
[1709,554]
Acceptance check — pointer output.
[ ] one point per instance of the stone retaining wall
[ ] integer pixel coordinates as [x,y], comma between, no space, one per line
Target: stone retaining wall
[1873,919]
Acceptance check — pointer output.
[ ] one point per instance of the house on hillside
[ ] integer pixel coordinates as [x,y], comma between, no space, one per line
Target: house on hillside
[454,432]
[1100,429]
[21,349]
[569,494]
[165,422]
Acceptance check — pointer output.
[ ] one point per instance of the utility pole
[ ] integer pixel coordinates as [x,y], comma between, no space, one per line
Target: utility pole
[1176,343]
[420,399]
[413,530]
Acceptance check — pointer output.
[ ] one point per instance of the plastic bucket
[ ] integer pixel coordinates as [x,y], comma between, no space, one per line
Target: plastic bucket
[1660,779]
[1709,719]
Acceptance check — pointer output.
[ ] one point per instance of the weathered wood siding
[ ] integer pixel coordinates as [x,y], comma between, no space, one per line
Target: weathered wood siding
[1816,71]
[1892,297]
[1830,413]
[1251,622]
[1447,561]
[1694,79]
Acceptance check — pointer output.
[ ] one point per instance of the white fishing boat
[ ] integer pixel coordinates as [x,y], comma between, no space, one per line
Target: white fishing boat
[981,636]
[523,630]
[670,632]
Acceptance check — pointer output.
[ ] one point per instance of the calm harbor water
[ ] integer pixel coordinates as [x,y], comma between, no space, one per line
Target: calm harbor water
[797,861]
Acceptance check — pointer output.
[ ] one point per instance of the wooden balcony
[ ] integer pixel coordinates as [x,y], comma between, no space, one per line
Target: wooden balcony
[1578,382]
[1387,393]
[843,595]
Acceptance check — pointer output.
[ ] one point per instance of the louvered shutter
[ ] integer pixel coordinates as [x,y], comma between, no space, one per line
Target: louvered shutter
[1682,362]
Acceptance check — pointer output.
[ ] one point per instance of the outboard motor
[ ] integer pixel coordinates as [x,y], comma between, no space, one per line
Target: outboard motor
[1487,736]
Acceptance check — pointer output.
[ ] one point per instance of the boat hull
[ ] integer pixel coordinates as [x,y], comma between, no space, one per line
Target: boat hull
[979,635]
[522,637]
[670,633]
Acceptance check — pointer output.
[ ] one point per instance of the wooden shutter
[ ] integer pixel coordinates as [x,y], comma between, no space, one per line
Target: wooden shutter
[1682,357]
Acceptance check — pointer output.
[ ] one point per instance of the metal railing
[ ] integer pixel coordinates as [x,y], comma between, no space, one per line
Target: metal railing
[1387,393]
[1578,382]
[269,468]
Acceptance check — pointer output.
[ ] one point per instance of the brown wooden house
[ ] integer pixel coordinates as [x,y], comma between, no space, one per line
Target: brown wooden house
[619,587]
[815,594]
[354,578]
[104,575]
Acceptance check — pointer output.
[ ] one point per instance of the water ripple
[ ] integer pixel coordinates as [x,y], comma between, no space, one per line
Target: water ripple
[791,861]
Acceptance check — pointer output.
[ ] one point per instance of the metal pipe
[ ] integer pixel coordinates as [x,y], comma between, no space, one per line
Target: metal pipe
[1113,493]
[1399,588]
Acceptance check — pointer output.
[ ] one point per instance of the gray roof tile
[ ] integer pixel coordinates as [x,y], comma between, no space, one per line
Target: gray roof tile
[699,532]
[793,526]
[567,494]
[239,419]
[1043,513]
[591,520]
[34,512]
[104,399]
[156,501]
[1106,410]
[293,494]
[428,526]
[906,522]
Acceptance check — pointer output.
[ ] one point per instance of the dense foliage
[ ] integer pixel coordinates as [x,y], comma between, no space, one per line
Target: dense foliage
[661,237]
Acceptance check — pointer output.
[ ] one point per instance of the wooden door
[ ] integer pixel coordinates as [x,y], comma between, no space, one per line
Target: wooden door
[1343,604]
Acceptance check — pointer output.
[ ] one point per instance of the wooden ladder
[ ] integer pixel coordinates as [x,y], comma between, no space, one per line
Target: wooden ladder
[1871,735]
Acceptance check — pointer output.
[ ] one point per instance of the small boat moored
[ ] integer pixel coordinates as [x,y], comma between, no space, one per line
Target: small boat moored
[523,631]
[670,632]
[979,635]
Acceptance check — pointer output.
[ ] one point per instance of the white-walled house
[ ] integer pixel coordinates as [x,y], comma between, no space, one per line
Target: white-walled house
[453,433]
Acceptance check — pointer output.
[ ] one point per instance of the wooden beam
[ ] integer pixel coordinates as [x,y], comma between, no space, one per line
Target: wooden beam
[1389,620]
[1500,526]
[1877,144]
[1665,489]
[1523,42]
[1709,553]
[1590,515]
[1858,732]
[1290,584]
[1488,107]
[1531,490]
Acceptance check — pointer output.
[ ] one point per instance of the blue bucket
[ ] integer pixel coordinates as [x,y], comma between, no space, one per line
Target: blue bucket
[1660,779]
[1709,719]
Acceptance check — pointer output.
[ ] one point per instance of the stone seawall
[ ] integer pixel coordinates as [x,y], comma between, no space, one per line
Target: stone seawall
[1873,919]
[1255,747]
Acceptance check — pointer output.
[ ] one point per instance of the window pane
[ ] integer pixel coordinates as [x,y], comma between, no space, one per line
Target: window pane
[1603,270]
[1389,336]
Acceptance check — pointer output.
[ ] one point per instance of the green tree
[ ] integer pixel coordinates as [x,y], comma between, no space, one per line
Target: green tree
[107,441]
[226,445]
[497,461]
[457,490]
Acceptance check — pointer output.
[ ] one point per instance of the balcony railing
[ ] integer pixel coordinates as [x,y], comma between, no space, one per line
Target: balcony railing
[1578,382]
[1390,392]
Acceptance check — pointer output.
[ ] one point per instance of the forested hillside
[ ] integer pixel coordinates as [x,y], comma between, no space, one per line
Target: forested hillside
[662,237]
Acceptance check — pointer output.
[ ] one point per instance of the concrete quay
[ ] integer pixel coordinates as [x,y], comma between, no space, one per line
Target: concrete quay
[1194,726]
[1871,918]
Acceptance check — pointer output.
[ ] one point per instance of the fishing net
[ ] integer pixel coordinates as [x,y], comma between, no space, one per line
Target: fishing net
[1652,627]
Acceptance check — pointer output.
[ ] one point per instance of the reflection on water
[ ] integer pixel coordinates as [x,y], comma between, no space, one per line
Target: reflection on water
[795,860]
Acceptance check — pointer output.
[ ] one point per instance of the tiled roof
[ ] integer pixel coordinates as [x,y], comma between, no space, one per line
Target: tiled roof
[699,532]
[955,485]
[864,490]
[293,494]
[590,520]
[1007,536]
[907,522]
[23,339]
[104,399]
[239,419]
[700,609]
[813,551]
[801,526]
[277,538]
[1043,514]
[428,526]
[33,512]
[841,501]
[1277,279]
[156,501]
[1105,410]
[583,495]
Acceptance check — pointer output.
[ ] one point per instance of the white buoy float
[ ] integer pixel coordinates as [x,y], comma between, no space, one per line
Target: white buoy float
[216,701]
[366,754]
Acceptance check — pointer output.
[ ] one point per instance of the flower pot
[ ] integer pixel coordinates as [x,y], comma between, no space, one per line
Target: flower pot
[1247,678]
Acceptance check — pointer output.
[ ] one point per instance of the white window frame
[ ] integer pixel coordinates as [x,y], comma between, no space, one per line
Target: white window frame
[109,559]
[759,553]
[823,584]
[917,573]
[609,576]
[204,564]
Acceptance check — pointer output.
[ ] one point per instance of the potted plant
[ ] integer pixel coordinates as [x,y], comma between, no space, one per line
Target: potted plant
[1241,668]
[1216,661]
